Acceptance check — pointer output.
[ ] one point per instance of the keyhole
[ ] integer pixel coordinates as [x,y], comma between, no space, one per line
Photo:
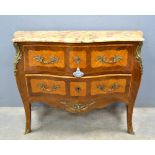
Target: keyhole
[77,89]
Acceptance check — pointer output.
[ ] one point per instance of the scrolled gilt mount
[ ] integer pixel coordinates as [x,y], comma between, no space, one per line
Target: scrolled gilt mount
[44,87]
[77,107]
[17,57]
[113,87]
[138,56]
[41,59]
[114,59]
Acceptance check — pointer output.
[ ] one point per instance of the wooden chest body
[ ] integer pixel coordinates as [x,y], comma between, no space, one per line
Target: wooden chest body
[44,72]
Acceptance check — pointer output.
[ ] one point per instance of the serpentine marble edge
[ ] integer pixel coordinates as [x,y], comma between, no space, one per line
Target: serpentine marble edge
[77,36]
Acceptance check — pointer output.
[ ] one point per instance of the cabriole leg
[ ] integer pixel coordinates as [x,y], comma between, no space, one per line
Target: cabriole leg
[27,108]
[129,118]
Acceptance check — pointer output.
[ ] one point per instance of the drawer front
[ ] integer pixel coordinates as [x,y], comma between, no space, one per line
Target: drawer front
[111,85]
[48,86]
[109,58]
[90,58]
[77,88]
[77,59]
[78,95]
[74,87]
[46,58]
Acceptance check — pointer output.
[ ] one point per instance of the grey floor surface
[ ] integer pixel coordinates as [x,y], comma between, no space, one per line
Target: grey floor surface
[49,123]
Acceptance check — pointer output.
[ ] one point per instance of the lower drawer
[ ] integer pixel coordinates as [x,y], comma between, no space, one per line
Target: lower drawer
[78,94]
[43,84]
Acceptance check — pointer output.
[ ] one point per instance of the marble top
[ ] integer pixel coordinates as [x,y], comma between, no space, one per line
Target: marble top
[77,36]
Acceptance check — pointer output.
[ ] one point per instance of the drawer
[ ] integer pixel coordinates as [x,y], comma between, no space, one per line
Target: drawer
[112,58]
[47,58]
[92,59]
[78,88]
[47,86]
[74,87]
[106,86]
[109,58]
[77,95]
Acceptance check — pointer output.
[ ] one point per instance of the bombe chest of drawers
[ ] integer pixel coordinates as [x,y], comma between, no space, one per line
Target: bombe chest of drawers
[78,71]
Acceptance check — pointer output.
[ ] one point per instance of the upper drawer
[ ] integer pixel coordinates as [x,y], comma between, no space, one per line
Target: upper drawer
[92,59]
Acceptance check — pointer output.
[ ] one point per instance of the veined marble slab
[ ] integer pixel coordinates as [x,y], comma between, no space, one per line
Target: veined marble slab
[77,36]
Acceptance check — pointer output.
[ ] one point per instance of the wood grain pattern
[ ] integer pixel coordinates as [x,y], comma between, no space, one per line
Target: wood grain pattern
[73,55]
[106,86]
[86,86]
[109,55]
[47,55]
[48,86]
[78,88]
[84,51]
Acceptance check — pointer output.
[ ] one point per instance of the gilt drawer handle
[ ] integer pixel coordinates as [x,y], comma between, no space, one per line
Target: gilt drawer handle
[41,59]
[113,87]
[44,87]
[112,60]
[78,73]
[101,87]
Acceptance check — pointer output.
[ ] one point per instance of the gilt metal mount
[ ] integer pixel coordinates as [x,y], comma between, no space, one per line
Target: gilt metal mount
[103,59]
[138,56]
[41,59]
[17,57]
[77,107]
[44,87]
